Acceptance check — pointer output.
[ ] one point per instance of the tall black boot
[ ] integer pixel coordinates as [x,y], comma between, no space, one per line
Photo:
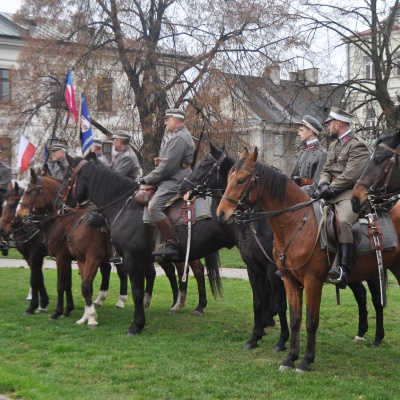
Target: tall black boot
[171,250]
[340,274]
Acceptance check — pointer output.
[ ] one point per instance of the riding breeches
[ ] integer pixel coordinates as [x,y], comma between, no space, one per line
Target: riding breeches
[346,218]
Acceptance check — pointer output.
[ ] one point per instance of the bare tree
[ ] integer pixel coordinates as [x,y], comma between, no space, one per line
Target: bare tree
[164,49]
[369,39]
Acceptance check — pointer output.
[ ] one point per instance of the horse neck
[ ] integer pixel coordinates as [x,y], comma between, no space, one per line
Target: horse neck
[51,190]
[283,225]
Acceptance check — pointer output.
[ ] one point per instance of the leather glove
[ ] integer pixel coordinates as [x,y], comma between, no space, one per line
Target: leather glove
[324,191]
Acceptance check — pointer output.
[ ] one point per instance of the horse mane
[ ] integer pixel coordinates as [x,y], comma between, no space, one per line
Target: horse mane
[271,182]
[112,184]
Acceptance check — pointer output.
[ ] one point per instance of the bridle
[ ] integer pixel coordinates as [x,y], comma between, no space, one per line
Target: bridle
[202,188]
[71,185]
[385,173]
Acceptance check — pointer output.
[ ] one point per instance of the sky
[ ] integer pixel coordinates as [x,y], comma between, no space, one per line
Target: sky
[10,6]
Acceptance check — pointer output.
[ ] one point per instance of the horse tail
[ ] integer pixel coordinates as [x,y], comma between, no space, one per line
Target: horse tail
[213,266]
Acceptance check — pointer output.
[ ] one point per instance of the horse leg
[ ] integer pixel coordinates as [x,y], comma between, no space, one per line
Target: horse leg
[198,272]
[64,285]
[374,288]
[360,294]
[105,270]
[257,284]
[295,299]
[88,270]
[169,269]
[150,274]
[276,286]
[136,271]
[123,286]
[37,285]
[313,292]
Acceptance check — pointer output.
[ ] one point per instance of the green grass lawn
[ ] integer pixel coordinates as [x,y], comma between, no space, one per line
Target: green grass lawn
[185,357]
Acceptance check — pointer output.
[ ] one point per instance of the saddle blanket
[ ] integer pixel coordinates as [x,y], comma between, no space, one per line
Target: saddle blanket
[202,211]
[328,236]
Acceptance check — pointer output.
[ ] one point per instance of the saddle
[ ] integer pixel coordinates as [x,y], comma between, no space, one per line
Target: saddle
[177,211]
[363,233]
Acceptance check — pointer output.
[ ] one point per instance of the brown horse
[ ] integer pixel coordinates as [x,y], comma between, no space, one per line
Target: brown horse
[297,253]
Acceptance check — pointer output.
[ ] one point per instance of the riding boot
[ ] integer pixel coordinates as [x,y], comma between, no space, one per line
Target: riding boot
[340,273]
[171,250]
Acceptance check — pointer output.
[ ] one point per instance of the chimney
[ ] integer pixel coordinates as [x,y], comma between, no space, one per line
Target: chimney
[273,72]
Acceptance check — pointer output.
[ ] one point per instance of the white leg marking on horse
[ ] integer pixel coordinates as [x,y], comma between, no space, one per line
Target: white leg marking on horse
[92,315]
[359,339]
[122,299]
[101,297]
[29,296]
[84,318]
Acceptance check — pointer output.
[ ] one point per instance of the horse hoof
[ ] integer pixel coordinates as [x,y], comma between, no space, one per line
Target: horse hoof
[301,371]
[284,368]
[174,311]
[359,339]
[278,349]
[133,334]
[93,325]
[120,305]
[376,344]
[26,313]
[80,322]
[196,313]
[250,346]
[97,304]
[41,310]
[54,316]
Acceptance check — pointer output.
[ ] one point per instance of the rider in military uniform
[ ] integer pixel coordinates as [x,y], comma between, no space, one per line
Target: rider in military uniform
[125,161]
[6,174]
[347,156]
[97,147]
[311,158]
[172,166]
[57,153]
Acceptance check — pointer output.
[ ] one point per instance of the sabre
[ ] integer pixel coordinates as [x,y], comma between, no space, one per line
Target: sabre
[189,211]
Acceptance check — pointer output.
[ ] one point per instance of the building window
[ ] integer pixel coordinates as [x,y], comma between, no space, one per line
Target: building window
[370,118]
[5,96]
[56,95]
[279,145]
[104,94]
[369,68]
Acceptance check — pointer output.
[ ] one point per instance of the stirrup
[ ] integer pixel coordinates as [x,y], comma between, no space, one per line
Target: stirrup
[116,259]
[340,277]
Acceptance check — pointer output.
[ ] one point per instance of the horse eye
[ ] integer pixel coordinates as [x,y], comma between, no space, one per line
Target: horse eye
[241,181]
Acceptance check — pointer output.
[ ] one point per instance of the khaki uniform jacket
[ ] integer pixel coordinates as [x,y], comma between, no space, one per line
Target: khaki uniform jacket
[309,165]
[176,159]
[126,163]
[344,165]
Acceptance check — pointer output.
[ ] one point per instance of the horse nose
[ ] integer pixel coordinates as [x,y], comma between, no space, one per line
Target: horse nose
[221,216]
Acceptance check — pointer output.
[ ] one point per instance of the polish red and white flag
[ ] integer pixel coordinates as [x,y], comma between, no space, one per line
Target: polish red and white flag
[25,153]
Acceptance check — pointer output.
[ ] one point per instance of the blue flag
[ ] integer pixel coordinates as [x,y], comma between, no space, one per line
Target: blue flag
[86,128]
[45,155]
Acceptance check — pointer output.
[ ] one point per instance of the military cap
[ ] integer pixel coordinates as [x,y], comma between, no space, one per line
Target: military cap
[175,112]
[121,135]
[311,123]
[97,142]
[58,146]
[339,115]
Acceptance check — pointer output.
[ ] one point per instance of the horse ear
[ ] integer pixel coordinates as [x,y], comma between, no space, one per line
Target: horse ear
[10,186]
[16,187]
[69,159]
[244,154]
[91,156]
[253,157]
[255,154]
[33,176]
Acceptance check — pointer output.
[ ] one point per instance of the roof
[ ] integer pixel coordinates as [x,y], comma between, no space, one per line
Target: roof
[287,101]
[8,28]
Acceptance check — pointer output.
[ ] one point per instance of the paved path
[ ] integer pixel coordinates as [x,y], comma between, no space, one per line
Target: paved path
[236,273]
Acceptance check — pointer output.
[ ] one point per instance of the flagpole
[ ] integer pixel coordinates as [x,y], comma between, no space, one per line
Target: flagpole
[78,125]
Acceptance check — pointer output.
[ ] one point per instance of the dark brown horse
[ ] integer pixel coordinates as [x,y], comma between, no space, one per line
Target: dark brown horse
[297,252]
[29,242]
[379,183]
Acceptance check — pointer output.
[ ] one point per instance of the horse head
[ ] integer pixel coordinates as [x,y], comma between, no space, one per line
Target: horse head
[10,203]
[241,190]
[37,197]
[211,172]
[380,177]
